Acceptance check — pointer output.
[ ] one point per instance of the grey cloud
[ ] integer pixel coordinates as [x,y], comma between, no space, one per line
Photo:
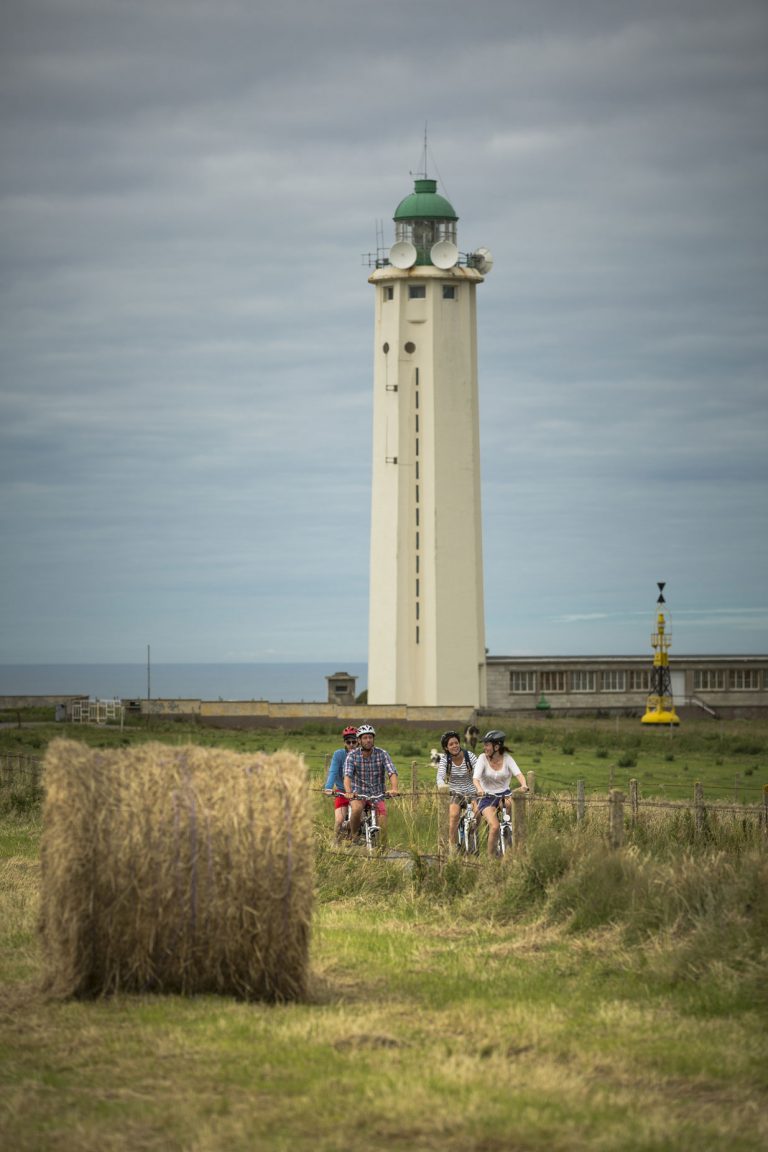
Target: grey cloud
[186,333]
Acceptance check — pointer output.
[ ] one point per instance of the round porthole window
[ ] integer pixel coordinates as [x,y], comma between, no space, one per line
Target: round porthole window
[385,348]
[410,346]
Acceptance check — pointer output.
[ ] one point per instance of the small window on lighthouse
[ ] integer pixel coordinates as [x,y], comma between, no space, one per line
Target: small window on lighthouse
[389,292]
[417,292]
[449,291]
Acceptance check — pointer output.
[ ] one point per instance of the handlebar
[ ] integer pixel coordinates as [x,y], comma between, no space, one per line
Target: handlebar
[360,796]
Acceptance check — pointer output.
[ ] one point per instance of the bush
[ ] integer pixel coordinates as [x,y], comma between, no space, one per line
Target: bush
[599,888]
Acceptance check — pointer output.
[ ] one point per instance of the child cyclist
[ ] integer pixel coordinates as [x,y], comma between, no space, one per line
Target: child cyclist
[492,777]
[455,771]
[334,785]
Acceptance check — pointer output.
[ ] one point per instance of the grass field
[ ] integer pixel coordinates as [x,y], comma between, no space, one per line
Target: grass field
[574,997]
[730,758]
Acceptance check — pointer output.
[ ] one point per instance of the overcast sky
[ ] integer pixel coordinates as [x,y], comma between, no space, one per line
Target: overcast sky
[188,187]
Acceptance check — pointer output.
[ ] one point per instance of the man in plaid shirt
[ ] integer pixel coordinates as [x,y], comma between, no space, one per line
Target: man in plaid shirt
[368,772]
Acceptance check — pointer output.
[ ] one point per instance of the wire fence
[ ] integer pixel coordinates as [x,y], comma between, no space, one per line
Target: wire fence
[21,774]
[20,770]
[621,812]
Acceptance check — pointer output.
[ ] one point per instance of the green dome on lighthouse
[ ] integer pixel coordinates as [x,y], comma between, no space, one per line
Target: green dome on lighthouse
[425,203]
[424,219]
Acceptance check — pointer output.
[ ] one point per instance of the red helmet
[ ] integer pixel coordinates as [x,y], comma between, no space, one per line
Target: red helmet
[349,734]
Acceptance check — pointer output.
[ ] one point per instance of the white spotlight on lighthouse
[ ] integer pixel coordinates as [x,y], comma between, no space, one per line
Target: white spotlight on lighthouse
[402,254]
[444,254]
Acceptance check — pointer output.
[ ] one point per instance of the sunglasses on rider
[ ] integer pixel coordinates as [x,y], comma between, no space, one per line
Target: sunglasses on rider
[350,739]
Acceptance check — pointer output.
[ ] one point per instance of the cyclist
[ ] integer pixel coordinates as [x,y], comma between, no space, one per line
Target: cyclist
[368,772]
[455,771]
[334,785]
[492,777]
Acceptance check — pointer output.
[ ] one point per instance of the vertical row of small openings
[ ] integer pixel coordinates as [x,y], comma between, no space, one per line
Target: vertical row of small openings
[417,506]
[389,292]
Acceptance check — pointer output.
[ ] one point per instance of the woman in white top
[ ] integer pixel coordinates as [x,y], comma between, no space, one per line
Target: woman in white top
[492,778]
[455,771]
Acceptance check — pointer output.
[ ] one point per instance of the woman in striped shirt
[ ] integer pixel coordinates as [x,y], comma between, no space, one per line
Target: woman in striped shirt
[454,771]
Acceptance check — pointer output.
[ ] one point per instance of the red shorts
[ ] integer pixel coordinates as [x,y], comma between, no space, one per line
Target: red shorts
[340,802]
[379,805]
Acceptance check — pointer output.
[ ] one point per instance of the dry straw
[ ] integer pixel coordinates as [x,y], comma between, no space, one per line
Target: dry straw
[181,869]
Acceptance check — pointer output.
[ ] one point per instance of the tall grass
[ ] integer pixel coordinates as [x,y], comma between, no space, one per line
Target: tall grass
[613,999]
[686,906]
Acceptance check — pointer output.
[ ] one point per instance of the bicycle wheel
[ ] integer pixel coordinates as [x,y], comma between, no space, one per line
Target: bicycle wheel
[472,847]
[372,839]
[505,839]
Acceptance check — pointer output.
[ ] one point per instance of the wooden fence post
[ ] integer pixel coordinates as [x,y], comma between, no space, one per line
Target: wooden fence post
[701,812]
[765,811]
[634,801]
[518,820]
[530,779]
[443,819]
[616,818]
[580,806]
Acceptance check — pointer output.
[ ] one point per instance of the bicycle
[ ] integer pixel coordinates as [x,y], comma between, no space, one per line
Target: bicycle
[467,835]
[370,830]
[370,824]
[505,840]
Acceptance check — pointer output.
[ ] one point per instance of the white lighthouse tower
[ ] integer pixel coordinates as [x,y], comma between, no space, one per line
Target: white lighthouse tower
[426,642]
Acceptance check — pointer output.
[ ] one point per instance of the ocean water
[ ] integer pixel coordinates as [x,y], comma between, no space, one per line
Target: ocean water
[274,682]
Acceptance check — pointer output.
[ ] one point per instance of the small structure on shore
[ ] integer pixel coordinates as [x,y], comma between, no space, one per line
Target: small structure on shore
[341,688]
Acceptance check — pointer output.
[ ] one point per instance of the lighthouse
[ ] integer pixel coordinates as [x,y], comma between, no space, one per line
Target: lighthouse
[426,642]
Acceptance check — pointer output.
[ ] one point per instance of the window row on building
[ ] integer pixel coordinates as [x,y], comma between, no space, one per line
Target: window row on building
[419,292]
[629,680]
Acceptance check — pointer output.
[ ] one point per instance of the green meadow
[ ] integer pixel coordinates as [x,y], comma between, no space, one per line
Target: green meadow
[574,996]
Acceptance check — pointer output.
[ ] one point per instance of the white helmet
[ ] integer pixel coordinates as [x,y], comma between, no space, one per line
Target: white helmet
[366,730]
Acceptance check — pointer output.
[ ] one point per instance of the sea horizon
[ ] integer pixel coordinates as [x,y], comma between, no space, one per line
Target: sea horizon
[278,681]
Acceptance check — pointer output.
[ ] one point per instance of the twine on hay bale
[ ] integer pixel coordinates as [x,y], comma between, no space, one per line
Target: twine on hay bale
[175,869]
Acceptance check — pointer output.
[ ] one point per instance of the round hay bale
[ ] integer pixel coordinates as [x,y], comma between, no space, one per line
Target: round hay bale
[175,869]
